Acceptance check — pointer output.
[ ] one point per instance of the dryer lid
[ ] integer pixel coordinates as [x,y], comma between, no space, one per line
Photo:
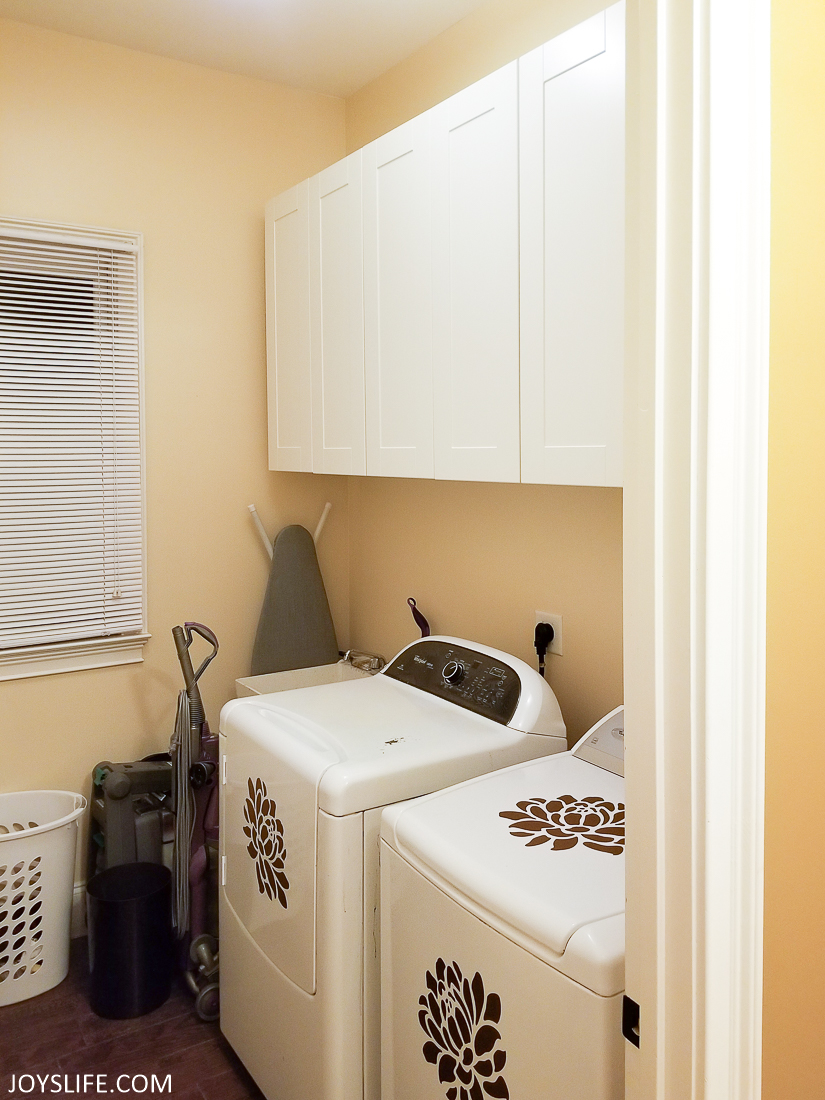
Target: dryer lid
[538,845]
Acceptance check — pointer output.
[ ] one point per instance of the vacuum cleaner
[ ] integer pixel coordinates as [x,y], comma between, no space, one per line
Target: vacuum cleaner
[194,754]
[164,809]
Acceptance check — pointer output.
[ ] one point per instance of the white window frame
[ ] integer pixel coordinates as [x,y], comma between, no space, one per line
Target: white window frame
[87,653]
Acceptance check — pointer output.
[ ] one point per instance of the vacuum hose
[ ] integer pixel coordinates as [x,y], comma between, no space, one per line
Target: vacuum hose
[190,727]
[181,751]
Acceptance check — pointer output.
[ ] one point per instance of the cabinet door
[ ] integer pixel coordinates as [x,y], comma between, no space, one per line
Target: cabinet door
[476,281]
[337,319]
[571,142]
[398,302]
[288,331]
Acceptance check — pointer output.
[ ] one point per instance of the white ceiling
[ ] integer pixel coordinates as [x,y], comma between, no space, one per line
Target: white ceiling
[331,46]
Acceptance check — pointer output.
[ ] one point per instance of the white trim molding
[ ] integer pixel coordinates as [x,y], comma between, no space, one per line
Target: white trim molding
[734,494]
[45,660]
[66,233]
[695,541]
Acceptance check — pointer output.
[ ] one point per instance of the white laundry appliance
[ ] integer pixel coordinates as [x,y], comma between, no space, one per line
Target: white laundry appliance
[502,932]
[306,774]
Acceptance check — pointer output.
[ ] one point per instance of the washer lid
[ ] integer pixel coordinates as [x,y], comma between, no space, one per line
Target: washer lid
[538,845]
[383,740]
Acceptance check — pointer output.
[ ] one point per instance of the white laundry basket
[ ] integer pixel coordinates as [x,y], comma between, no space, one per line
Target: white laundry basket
[38,838]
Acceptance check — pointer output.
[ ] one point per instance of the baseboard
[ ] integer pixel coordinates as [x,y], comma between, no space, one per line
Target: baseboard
[78,910]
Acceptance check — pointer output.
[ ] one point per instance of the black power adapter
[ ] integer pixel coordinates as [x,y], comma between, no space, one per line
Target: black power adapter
[542,639]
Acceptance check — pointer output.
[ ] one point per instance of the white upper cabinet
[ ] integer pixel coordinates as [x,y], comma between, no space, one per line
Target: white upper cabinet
[398,302]
[475,271]
[288,331]
[337,319]
[571,141]
[449,301]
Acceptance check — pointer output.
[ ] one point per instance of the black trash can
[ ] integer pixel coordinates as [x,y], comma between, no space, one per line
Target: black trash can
[130,939]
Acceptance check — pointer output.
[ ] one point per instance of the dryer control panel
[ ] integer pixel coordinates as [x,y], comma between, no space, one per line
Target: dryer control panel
[464,676]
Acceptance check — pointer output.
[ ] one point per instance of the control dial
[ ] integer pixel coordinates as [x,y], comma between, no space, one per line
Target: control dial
[453,672]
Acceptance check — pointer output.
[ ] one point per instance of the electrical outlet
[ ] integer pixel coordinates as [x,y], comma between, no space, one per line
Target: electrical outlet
[555,622]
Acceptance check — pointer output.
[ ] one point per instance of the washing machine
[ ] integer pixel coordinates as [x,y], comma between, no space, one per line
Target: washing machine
[305,775]
[502,932]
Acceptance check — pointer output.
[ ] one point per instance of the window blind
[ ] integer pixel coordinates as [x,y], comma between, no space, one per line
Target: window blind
[71,530]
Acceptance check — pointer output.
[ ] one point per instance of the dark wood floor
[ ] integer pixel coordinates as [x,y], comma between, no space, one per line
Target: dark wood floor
[57,1033]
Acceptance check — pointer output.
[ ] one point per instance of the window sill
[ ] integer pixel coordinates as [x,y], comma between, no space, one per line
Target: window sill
[46,660]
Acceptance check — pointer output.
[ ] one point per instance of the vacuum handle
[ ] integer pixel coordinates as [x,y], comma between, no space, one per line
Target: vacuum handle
[207,636]
[183,640]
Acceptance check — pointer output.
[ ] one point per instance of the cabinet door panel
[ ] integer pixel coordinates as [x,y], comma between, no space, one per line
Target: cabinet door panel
[398,302]
[476,281]
[572,254]
[288,331]
[337,319]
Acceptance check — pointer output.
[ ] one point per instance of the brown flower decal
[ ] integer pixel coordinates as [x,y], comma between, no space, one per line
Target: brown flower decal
[458,1020]
[266,842]
[566,820]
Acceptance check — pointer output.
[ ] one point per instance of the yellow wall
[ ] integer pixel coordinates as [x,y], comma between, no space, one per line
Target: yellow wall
[100,135]
[481,559]
[497,32]
[795,839]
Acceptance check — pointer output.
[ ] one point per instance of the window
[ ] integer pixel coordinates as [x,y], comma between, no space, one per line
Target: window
[71,484]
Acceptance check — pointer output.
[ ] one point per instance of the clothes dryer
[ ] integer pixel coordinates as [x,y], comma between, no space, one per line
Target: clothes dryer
[502,933]
[305,774]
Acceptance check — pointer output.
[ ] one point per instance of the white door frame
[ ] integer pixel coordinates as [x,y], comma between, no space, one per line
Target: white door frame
[695,541]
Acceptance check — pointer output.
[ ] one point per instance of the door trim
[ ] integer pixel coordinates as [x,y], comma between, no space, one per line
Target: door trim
[735,547]
[695,541]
